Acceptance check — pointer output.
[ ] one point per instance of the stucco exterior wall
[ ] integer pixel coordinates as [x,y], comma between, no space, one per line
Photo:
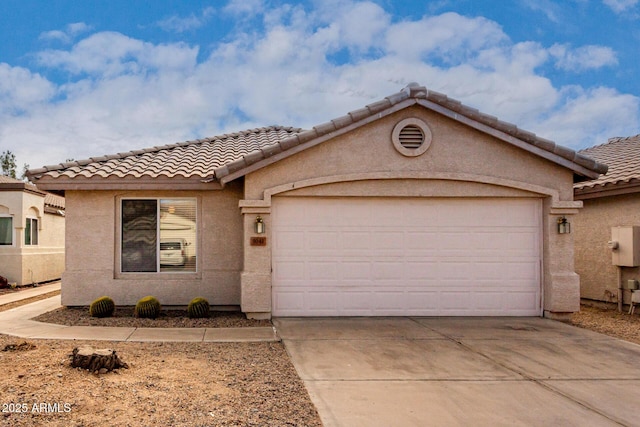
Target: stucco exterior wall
[455,148]
[93,226]
[592,228]
[27,264]
[461,162]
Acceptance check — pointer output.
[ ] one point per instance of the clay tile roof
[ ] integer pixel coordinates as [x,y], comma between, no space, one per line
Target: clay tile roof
[11,184]
[54,200]
[227,156]
[188,159]
[8,180]
[622,155]
[50,199]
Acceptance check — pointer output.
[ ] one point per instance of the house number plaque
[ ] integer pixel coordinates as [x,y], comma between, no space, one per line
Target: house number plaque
[258,241]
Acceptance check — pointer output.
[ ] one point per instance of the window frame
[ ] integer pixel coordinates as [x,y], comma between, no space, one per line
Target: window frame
[119,274]
[29,222]
[13,231]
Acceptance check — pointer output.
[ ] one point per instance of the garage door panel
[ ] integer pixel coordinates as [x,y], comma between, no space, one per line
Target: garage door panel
[289,302]
[321,271]
[490,301]
[521,300]
[385,270]
[522,270]
[406,257]
[289,240]
[289,271]
[355,240]
[523,243]
[356,270]
[425,270]
[322,301]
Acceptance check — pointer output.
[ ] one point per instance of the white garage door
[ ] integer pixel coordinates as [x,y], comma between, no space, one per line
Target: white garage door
[392,257]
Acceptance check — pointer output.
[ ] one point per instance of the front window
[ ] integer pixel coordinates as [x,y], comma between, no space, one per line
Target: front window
[31,232]
[6,231]
[158,235]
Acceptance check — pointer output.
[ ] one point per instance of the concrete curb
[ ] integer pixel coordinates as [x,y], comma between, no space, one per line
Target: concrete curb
[17,322]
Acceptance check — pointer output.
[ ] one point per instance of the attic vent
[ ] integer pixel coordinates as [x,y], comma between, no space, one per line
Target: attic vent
[411,137]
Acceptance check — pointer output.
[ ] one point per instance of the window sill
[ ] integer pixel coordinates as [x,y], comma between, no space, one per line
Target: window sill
[187,275]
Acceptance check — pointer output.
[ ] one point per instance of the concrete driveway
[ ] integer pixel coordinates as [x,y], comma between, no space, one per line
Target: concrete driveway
[463,371]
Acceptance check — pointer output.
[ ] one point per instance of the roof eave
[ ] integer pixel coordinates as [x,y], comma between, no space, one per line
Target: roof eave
[98,183]
[606,190]
[22,186]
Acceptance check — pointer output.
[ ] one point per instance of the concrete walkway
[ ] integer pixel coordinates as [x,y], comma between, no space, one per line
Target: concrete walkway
[28,293]
[463,371]
[16,322]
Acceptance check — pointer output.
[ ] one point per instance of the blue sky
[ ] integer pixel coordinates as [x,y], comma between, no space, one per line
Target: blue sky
[86,78]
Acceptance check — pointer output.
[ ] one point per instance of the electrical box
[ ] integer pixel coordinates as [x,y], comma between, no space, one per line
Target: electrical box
[627,246]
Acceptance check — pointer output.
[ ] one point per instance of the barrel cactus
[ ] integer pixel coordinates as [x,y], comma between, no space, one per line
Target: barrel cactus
[102,307]
[198,308]
[148,307]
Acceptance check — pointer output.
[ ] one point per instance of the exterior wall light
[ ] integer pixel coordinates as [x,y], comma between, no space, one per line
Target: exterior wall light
[564,226]
[259,225]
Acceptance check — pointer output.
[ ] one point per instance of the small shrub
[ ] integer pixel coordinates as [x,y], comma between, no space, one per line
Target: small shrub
[148,307]
[102,307]
[198,308]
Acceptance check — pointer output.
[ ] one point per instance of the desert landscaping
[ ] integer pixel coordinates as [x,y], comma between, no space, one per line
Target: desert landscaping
[180,384]
[175,383]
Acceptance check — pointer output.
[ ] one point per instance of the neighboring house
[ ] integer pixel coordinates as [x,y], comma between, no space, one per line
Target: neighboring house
[413,205]
[31,233]
[612,200]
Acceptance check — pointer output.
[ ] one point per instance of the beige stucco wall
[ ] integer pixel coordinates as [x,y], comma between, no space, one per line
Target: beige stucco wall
[592,228]
[461,162]
[93,253]
[24,264]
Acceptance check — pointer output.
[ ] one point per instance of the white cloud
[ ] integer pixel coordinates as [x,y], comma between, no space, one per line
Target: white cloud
[69,33]
[589,117]
[620,6]
[111,54]
[123,93]
[245,7]
[583,58]
[552,10]
[180,24]
[450,37]
[21,90]
[358,26]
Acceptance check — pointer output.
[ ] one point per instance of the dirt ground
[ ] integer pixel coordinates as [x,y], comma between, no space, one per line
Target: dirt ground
[178,384]
[167,384]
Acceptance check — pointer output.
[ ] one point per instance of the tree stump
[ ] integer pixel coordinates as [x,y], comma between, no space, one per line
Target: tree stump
[101,361]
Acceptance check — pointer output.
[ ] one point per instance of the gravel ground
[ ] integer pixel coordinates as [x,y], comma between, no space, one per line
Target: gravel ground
[609,321]
[168,319]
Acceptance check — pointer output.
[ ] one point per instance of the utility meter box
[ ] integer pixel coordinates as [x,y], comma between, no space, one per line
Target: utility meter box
[626,254]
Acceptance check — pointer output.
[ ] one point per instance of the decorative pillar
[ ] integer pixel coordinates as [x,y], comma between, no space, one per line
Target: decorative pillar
[561,282]
[255,279]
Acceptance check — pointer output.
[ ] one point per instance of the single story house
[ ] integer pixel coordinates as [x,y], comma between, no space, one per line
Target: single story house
[412,205]
[610,202]
[32,228]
